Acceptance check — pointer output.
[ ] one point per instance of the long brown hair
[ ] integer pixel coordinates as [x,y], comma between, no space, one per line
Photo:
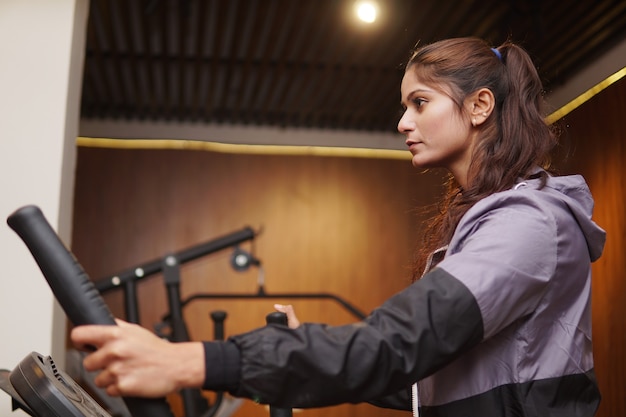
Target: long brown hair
[513,140]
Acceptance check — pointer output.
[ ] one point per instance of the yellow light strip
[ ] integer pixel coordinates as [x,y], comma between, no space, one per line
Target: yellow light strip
[578,101]
[240,148]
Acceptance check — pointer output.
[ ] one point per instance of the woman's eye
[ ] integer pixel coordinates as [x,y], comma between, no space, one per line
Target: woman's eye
[419,101]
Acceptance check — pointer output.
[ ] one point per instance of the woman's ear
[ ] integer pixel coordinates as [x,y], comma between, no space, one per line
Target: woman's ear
[480,105]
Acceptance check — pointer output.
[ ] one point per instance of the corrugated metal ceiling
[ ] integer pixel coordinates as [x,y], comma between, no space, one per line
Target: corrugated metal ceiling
[308,63]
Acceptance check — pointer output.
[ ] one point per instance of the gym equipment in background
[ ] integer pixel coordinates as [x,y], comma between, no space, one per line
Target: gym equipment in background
[38,387]
[173,326]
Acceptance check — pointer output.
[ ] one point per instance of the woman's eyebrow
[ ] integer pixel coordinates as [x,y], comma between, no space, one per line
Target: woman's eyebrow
[414,93]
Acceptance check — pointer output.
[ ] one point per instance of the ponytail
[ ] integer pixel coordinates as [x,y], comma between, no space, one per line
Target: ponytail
[513,141]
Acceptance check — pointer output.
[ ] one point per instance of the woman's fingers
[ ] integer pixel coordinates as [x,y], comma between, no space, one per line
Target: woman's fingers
[90,337]
[133,361]
[292,319]
[104,379]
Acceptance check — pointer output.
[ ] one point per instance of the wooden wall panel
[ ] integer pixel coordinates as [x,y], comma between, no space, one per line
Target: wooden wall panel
[596,134]
[346,226]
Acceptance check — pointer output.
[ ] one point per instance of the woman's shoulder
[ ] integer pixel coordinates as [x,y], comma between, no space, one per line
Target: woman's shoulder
[549,193]
[557,205]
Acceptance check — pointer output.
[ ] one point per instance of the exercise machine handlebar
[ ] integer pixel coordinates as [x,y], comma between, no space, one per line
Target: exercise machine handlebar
[72,287]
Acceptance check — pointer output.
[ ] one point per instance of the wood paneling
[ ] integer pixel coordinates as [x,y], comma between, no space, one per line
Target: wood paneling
[595,134]
[346,226]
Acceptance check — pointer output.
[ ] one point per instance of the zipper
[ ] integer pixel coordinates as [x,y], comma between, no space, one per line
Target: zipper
[431,258]
[415,400]
[434,258]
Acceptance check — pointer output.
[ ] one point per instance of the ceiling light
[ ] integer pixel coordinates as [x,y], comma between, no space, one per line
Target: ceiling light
[366,11]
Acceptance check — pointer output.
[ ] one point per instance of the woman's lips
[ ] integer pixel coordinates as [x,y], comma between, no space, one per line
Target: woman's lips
[412,144]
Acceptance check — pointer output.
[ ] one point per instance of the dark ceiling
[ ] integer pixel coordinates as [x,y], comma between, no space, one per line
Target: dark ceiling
[307,63]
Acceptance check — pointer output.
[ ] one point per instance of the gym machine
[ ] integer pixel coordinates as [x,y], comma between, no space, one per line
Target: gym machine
[38,387]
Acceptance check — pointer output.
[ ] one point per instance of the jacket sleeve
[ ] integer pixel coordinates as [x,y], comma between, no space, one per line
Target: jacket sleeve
[413,334]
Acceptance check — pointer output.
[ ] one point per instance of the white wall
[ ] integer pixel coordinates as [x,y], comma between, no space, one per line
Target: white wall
[41,56]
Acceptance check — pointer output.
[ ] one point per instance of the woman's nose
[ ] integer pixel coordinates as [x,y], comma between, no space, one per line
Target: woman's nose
[404,125]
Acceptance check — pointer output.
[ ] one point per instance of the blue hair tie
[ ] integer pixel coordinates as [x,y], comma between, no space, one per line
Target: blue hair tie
[498,54]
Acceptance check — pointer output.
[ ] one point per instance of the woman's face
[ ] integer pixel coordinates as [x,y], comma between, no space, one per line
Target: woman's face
[436,131]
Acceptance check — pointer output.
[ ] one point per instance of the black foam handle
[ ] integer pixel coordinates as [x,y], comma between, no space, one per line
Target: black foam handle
[218,317]
[277,317]
[71,286]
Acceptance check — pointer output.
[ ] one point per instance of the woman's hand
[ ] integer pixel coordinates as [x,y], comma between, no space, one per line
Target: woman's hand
[292,320]
[135,362]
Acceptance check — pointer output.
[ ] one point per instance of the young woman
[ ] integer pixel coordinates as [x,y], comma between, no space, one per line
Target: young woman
[498,323]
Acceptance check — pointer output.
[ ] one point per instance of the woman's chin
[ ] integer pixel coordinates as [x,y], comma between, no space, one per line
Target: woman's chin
[419,162]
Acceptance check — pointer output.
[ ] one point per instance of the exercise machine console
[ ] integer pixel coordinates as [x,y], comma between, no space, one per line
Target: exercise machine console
[41,389]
